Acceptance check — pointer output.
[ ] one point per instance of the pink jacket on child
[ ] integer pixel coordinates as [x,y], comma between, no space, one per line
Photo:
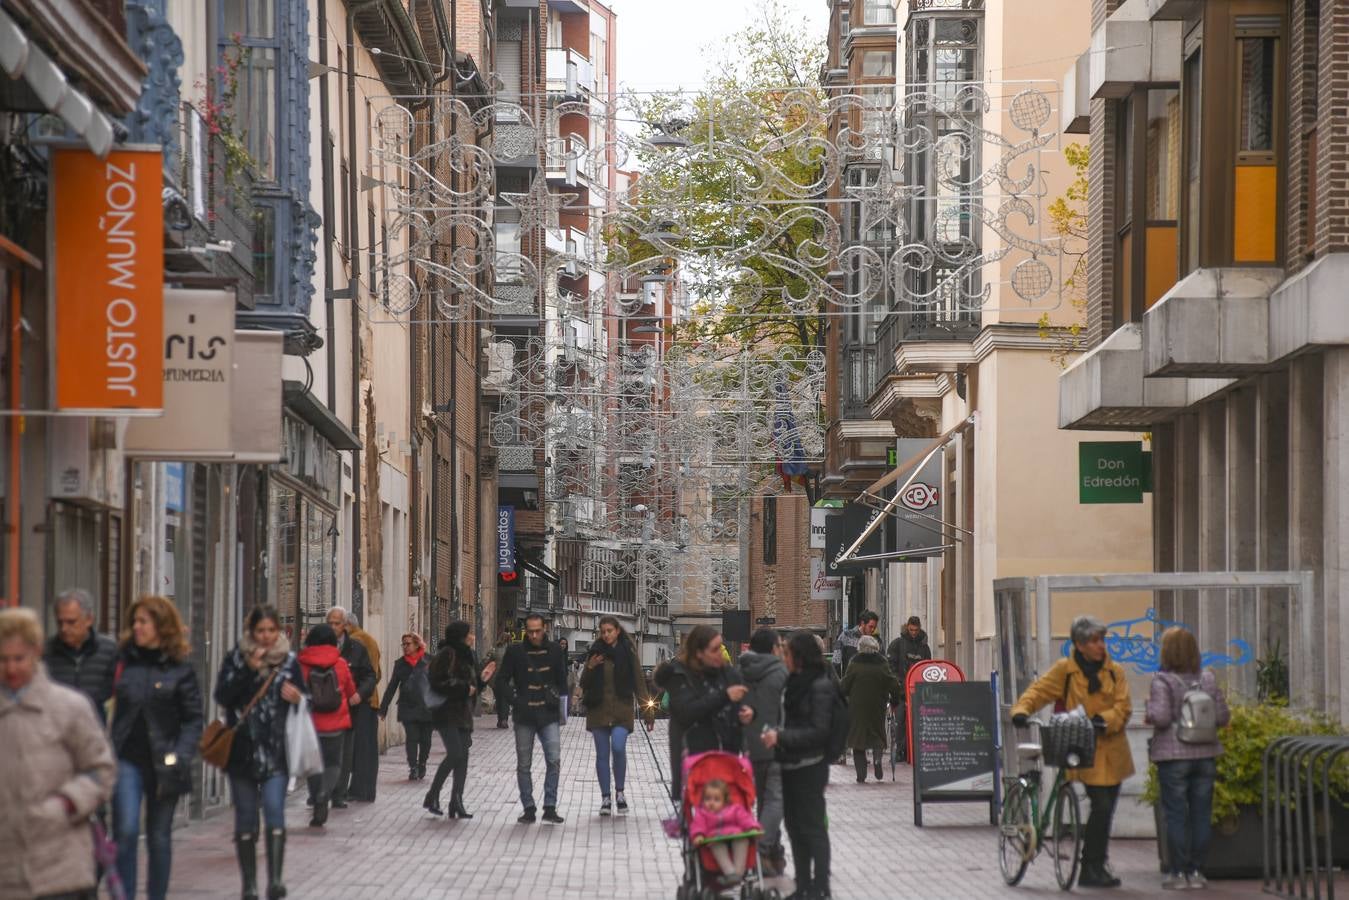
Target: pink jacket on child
[730,821]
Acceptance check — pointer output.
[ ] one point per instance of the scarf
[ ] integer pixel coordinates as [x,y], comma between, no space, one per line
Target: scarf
[620,654]
[275,655]
[413,658]
[1090,669]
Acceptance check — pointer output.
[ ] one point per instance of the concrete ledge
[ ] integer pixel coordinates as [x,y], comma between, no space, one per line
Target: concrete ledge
[1214,322]
[1105,389]
[1308,309]
[1130,49]
[897,388]
[919,357]
[1075,106]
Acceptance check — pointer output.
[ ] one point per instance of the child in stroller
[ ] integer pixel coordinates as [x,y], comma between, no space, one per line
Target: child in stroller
[719,827]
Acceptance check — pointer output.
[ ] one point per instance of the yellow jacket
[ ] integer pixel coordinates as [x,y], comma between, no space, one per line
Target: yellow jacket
[1065,681]
[371,647]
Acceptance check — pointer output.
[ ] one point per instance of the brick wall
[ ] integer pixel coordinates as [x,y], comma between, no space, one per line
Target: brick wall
[1101,224]
[782,590]
[1332,163]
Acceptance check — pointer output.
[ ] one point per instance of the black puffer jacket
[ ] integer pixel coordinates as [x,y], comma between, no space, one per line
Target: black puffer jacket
[412,706]
[164,694]
[808,703]
[259,749]
[88,669]
[706,717]
[904,651]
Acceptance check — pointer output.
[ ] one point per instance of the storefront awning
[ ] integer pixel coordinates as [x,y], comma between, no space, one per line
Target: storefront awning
[21,58]
[540,569]
[907,468]
[304,404]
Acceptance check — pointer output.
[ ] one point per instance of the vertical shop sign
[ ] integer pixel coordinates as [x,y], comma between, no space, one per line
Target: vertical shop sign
[107,280]
[506,540]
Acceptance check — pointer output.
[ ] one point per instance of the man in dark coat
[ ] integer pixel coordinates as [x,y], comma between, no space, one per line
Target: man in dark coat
[77,655]
[363,673]
[533,674]
[867,623]
[909,648]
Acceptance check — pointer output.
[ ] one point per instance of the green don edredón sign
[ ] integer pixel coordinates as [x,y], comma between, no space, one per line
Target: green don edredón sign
[1113,472]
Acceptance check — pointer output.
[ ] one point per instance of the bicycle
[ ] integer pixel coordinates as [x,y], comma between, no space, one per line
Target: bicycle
[1024,824]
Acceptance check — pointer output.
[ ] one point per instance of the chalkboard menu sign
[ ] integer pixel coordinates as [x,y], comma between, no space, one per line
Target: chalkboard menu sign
[954,745]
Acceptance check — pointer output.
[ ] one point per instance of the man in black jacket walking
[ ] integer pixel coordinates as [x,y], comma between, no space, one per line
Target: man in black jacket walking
[904,651]
[533,674]
[363,673]
[77,655]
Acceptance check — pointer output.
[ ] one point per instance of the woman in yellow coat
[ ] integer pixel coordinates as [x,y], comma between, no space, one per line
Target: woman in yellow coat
[1090,679]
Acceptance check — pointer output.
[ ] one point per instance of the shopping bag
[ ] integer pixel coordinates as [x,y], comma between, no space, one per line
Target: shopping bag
[303,755]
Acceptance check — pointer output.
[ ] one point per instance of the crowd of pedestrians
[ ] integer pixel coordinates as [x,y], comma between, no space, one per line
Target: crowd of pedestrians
[108,730]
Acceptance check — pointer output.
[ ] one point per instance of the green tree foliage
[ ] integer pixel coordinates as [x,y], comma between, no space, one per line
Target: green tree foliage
[1068,219]
[760,111]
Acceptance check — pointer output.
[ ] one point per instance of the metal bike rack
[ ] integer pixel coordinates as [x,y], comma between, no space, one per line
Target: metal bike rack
[1296,789]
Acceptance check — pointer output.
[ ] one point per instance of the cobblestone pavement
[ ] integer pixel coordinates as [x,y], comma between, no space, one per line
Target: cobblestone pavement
[392,848]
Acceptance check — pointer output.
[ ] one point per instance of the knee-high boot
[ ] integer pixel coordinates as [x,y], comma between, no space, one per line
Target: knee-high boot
[276,859]
[246,849]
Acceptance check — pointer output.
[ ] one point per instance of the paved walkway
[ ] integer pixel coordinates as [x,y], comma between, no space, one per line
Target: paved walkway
[392,848]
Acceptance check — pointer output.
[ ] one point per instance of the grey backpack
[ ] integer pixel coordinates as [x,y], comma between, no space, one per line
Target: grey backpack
[1196,720]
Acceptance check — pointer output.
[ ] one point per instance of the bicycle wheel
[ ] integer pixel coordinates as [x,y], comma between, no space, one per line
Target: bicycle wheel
[1016,835]
[1065,837]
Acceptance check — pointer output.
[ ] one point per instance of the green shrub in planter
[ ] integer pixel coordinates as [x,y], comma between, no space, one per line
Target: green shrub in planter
[1240,768]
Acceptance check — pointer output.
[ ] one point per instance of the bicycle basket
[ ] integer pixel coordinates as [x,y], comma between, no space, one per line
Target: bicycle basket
[1068,734]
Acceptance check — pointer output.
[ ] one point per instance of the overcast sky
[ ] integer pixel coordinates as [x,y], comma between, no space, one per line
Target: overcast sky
[661,44]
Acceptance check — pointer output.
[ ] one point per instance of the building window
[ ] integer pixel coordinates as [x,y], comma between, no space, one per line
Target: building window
[248,37]
[878,12]
[1255,179]
[1191,106]
[264,253]
[1148,205]
[878,63]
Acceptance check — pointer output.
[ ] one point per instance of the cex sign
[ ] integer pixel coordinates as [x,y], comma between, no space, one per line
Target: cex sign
[107,281]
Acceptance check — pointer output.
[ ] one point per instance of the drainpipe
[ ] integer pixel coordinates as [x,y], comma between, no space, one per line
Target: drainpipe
[454,334]
[357,595]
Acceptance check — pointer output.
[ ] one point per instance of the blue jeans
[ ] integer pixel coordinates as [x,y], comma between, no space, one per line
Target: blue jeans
[247,794]
[1186,787]
[132,787]
[550,736]
[607,739]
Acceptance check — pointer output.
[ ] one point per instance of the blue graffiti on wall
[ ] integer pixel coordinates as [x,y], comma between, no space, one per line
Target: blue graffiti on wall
[1142,649]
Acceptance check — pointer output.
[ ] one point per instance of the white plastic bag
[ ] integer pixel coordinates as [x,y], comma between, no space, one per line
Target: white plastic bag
[304,757]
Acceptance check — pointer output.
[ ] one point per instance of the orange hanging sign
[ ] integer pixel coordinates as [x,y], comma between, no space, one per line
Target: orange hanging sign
[107,280]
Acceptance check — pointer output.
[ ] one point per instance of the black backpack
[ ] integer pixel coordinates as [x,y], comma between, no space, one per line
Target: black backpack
[840,723]
[325,694]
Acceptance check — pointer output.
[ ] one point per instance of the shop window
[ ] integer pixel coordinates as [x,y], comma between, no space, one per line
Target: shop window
[1255,181]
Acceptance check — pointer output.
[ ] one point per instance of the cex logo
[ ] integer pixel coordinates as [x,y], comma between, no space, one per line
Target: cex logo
[920,496]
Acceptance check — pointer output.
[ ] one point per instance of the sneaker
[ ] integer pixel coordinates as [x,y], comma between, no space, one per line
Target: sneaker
[527,817]
[551,817]
[621,803]
[606,807]
[1196,881]
[1175,882]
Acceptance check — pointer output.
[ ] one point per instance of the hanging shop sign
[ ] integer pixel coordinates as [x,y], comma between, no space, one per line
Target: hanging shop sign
[1113,472]
[107,280]
[918,515]
[506,541]
[824,586]
[198,376]
[818,520]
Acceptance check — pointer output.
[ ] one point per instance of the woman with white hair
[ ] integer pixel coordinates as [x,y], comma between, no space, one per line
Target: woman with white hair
[869,686]
[1089,678]
[58,768]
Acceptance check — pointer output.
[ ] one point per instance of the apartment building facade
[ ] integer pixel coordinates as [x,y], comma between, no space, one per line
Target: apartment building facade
[950,349]
[1217,249]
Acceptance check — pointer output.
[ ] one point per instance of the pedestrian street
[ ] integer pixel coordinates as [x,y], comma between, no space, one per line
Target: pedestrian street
[393,848]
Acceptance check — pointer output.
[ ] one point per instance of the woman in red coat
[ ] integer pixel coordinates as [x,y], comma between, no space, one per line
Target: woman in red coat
[331,691]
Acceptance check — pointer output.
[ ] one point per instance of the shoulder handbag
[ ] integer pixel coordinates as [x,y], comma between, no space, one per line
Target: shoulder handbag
[218,737]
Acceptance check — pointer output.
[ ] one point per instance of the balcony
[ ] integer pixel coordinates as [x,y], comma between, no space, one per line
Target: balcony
[217,207]
[569,161]
[570,74]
